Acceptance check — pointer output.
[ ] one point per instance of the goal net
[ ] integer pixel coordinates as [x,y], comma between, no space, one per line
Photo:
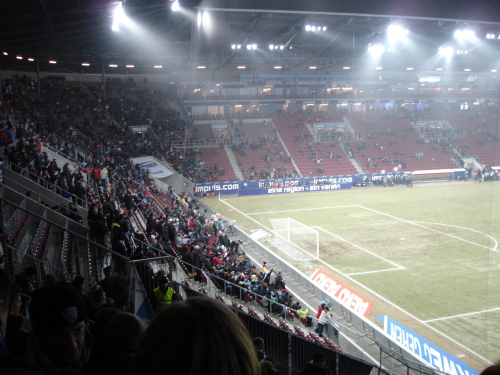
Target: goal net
[295,239]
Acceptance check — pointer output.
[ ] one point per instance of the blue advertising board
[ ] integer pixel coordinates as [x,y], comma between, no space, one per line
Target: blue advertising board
[424,349]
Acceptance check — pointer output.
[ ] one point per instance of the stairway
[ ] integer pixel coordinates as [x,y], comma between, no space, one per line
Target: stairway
[233,161]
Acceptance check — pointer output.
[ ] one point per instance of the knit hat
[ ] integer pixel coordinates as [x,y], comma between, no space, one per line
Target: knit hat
[55,307]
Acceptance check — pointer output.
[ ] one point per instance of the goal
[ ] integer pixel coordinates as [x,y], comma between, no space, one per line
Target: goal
[295,239]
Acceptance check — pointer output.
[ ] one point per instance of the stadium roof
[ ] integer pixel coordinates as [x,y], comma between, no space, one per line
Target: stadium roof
[204,34]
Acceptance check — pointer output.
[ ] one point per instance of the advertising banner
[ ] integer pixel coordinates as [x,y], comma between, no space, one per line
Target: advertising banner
[341,293]
[140,128]
[424,349]
[156,169]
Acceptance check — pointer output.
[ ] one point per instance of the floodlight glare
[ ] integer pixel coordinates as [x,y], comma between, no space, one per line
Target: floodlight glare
[31,59]
[254,46]
[446,51]
[308,27]
[233,46]
[282,47]
[465,34]
[313,28]
[324,28]
[238,46]
[19,57]
[494,70]
[271,46]
[249,47]
[376,49]
[396,31]
[175,6]
[118,15]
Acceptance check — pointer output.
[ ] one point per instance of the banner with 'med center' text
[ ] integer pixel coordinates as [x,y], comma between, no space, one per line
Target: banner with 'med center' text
[341,293]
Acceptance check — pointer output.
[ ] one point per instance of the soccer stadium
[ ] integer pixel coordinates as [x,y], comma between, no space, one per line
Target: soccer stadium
[326,173]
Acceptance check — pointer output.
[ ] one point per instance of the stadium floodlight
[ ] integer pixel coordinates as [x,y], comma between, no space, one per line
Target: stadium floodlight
[201,66]
[409,68]
[282,47]
[249,47]
[31,59]
[254,46]
[233,46]
[241,67]
[85,64]
[467,70]
[324,28]
[158,66]
[346,67]
[19,57]
[308,27]
[238,46]
[175,6]
[5,53]
[277,67]
[395,31]
[446,51]
[490,36]
[118,17]
[52,62]
[439,69]
[313,67]
[494,70]
[376,49]
[129,66]
[113,66]
[465,35]
[378,68]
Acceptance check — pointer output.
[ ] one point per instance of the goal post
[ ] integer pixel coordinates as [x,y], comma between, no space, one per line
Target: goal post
[295,239]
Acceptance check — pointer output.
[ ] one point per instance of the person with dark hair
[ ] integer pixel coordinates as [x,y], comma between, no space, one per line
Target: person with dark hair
[258,344]
[79,283]
[491,370]
[218,342]
[317,366]
[9,364]
[61,342]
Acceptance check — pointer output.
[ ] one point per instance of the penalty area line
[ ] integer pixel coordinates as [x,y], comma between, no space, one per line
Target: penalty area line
[461,315]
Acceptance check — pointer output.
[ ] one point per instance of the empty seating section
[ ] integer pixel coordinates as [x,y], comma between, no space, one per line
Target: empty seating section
[383,142]
[202,132]
[476,135]
[306,153]
[258,152]
[206,164]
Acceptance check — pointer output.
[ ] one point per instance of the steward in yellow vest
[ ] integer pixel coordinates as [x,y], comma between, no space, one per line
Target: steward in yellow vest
[162,296]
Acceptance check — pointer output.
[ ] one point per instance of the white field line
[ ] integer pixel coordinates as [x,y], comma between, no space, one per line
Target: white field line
[469,229]
[431,229]
[301,209]
[312,308]
[461,315]
[378,295]
[398,267]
